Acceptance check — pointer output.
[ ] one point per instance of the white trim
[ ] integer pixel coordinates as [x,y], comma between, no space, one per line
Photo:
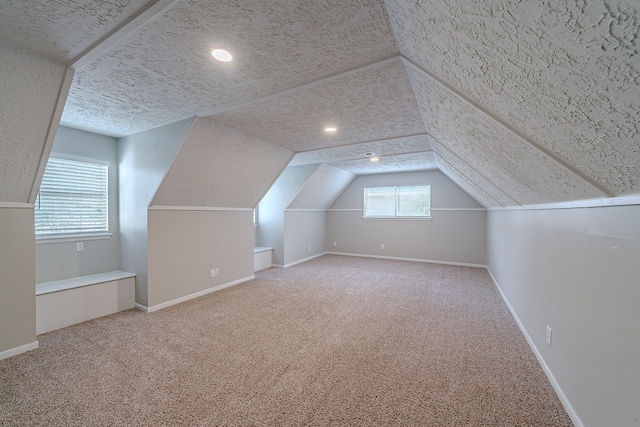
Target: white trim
[324,78]
[305,210]
[433,209]
[116,36]
[259,249]
[197,208]
[142,308]
[18,350]
[300,261]
[81,281]
[565,402]
[574,204]
[401,218]
[430,261]
[191,296]
[16,205]
[458,209]
[52,130]
[52,238]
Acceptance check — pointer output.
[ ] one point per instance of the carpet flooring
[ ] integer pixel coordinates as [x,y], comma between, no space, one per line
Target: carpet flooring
[335,341]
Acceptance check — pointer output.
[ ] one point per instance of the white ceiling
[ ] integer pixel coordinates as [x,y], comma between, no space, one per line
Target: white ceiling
[518,102]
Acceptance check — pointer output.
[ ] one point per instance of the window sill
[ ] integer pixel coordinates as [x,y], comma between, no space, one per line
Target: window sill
[72,237]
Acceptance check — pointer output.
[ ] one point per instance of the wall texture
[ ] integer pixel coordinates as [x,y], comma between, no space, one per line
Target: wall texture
[577,271]
[455,234]
[29,86]
[60,260]
[144,159]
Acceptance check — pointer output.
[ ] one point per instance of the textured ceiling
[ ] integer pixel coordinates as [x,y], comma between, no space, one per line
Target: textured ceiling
[518,102]
[62,29]
[395,155]
[163,72]
[564,74]
[372,103]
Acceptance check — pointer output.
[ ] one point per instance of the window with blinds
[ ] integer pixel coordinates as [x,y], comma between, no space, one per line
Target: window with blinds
[409,201]
[73,199]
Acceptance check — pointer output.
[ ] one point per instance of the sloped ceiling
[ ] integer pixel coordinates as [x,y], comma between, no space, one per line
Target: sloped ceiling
[564,76]
[29,87]
[518,102]
[205,170]
[322,188]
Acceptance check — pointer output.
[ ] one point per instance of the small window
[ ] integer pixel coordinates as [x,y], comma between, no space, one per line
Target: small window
[410,201]
[73,199]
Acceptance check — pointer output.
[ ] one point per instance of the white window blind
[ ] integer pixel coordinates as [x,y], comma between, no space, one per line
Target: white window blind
[410,201]
[73,198]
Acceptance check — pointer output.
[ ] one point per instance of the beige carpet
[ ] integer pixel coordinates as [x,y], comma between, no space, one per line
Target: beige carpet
[334,341]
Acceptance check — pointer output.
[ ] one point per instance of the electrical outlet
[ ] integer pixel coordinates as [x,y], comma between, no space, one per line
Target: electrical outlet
[79,246]
[309,247]
[217,271]
[382,246]
[213,272]
[335,243]
[548,337]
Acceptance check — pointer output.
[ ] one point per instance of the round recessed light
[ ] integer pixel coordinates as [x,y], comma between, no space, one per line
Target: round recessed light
[330,129]
[374,159]
[221,55]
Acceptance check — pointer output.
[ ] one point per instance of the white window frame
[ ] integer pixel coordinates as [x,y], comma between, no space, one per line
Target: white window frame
[73,174]
[395,214]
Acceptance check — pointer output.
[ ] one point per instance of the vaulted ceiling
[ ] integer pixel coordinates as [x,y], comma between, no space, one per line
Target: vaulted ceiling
[519,102]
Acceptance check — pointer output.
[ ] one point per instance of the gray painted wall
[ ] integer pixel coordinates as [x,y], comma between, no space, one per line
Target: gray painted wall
[577,270]
[455,234]
[305,234]
[17,279]
[60,260]
[184,246]
[270,230]
[206,199]
[144,159]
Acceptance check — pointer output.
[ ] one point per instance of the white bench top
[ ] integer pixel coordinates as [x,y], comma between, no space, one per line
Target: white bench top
[261,249]
[78,282]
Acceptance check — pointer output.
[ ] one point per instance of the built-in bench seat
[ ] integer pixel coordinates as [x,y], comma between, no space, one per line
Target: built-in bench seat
[262,257]
[63,303]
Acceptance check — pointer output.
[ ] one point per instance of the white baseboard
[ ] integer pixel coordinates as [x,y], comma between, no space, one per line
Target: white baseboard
[191,296]
[300,261]
[22,349]
[430,261]
[565,402]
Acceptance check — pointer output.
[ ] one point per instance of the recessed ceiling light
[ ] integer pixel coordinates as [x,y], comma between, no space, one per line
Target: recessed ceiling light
[373,159]
[330,129]
[221,55]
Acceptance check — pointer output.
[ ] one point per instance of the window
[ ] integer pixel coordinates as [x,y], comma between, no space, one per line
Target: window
[73,199]
[409,201]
